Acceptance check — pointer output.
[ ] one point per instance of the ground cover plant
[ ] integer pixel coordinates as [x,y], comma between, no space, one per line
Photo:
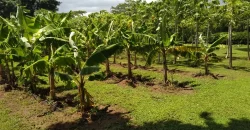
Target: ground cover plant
[56,70]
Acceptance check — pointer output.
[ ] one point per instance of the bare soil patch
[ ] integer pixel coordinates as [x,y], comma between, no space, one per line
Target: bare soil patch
[100,118]
[37,113]
[172,87]
[149,68]
[175,87]
[122,80]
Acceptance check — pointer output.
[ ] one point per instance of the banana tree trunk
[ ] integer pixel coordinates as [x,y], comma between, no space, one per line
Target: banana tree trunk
[1,72]
[206,65]
[248,48]
[12,74]
[81,93]
[159,57]
[129,64]
[135,60]
[33,84]
[230,46]
[114,60]
[165,67]
[52,83]
[108,72]
[7,70]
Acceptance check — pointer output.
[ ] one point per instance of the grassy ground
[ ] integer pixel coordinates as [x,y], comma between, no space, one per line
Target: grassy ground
[7,121]
[213,104]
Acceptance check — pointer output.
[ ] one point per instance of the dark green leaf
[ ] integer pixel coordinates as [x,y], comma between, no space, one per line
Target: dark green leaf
[101,54]
[150,57]
[63,76]
[89,70]
[64,61]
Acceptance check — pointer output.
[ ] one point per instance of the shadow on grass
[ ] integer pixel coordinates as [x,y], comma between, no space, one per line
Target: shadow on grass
[234,124]
[242,49]
[239,58]
[241,68]
[121,123]
[195,64]
[238,68]
[43,92]
[103,119]
[185,63]
[187,84]
[184,84]
[63,88]
[68,99]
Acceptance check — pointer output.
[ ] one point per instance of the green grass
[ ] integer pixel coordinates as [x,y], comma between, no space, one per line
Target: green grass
[214,104]
[225,99]
[7,121]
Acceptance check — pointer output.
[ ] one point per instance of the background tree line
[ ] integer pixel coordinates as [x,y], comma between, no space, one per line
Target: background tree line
[9,6]
[212,16]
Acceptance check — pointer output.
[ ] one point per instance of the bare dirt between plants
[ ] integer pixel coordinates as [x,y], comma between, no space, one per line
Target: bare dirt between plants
[36,114]
[172,90]
[173,71]
[155,86]
[149,68]
[105,117]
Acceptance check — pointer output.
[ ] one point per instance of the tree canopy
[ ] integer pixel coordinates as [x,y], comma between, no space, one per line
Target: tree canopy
[9,6]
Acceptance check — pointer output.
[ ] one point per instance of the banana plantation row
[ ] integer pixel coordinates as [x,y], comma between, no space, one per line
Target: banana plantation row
[70,46]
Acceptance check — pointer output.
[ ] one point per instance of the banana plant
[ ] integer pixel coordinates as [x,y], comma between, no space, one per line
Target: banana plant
[164,41]
[48,31]
[101,54]
[11,43]
[128,44]
[53,36]
[132,38]
[22,28]
[6,53]
[207,51]
[3,36]
[57,60]
[106,33]
[86,28]
[33,59]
